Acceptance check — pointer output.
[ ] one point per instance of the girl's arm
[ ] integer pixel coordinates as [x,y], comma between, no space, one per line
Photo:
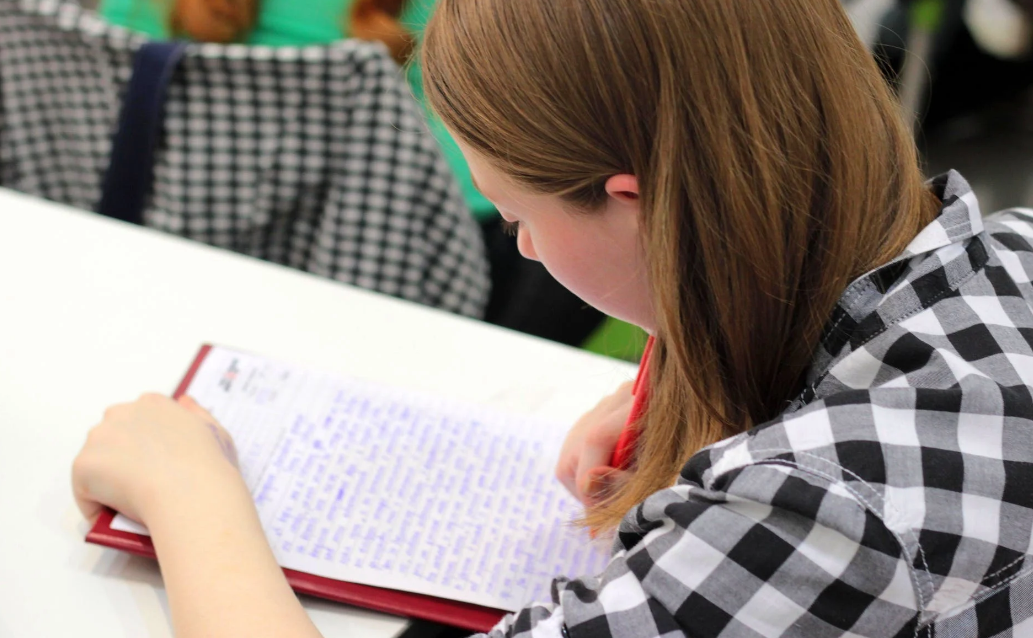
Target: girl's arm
[221,576]
[171,467]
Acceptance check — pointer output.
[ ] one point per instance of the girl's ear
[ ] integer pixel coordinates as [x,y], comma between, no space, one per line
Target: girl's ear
[623,188]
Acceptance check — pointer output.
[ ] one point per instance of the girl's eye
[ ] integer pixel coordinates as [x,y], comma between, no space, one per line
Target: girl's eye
[510,228]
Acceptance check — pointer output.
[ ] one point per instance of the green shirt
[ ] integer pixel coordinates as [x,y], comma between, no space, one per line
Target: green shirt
[294,23]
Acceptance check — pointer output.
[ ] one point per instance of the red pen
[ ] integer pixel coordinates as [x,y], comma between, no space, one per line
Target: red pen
[624,451]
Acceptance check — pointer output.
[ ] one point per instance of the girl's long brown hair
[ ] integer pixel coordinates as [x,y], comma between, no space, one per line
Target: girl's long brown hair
[773,163]
[229,20]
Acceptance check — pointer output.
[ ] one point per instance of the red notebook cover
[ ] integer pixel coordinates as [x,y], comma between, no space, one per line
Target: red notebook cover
[391,601]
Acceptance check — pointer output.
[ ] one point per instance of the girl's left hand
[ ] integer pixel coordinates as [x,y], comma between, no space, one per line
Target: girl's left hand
[152,451]
[168,464]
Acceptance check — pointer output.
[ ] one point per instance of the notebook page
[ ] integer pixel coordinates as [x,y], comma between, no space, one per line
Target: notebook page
[365,483]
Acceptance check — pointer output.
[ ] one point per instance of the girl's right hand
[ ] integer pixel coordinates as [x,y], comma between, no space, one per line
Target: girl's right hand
[584,465]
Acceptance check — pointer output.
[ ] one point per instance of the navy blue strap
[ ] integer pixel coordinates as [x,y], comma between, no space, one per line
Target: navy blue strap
[128,181]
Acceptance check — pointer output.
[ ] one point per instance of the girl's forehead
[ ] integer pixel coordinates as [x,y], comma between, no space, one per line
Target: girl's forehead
[486,178]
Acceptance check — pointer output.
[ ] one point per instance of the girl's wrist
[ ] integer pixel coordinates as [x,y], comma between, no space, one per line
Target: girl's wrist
[221,496]
[221,576]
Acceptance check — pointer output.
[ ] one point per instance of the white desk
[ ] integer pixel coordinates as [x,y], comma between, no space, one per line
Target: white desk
[93,312]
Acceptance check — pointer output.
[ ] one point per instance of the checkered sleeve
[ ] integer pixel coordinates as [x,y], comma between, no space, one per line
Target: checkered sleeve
[768,550]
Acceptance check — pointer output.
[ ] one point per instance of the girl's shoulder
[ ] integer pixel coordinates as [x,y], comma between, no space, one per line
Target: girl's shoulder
[1014,226]
[920,494]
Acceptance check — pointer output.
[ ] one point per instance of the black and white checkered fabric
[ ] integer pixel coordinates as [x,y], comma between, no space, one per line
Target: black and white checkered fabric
[315,157]
[894,499]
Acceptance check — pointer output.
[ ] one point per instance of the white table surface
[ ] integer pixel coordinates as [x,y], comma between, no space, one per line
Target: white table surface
[94,312]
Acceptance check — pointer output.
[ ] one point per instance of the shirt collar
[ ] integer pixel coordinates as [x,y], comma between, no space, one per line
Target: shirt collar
[935,262]
[959,217]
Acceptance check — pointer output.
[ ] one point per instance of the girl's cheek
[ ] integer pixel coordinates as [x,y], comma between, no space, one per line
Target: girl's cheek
[525,245]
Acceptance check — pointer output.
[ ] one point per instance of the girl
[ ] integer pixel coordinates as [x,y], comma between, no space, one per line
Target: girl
[851,343]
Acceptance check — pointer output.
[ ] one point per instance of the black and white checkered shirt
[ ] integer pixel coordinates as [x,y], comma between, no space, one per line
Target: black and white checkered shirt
[894,499]
[316,157]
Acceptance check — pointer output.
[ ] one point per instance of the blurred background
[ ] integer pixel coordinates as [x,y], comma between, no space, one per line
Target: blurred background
[973,93]
[963,70]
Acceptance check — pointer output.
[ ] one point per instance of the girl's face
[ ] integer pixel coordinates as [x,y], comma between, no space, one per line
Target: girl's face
[596,255]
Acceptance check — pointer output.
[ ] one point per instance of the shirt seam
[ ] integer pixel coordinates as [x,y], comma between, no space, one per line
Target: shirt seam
[990,591]
[915,575]
[917,578]
[813,388]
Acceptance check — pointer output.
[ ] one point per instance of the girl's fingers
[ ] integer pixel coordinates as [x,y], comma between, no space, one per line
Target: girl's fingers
[229,450]
[590,443]
[193,406]
[565,470]
[602,481]
[90,509]
[597,452]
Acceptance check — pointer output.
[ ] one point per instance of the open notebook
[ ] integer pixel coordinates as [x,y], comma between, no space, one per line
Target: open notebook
[390,499]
